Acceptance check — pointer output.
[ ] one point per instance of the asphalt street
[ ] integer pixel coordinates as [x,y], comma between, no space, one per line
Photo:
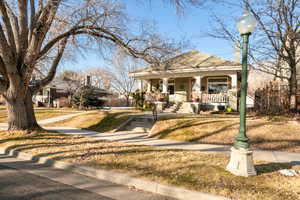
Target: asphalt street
[18,185]
[26,180]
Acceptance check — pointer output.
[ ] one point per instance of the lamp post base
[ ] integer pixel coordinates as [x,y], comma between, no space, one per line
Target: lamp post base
[241,162]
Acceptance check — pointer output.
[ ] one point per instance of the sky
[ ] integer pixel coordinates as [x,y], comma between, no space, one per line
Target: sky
[192,26]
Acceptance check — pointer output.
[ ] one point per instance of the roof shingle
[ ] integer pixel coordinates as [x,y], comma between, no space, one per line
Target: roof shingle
[190,60]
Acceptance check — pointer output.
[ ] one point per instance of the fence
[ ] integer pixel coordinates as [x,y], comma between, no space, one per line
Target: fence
[214,98]
[272,99]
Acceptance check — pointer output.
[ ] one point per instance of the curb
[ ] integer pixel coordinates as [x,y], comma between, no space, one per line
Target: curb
[118,178]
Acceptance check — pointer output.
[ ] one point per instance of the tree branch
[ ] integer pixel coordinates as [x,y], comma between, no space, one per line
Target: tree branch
[51,74]
[5,50]
[23,22]
[15,25]
[32,19]
[8,26]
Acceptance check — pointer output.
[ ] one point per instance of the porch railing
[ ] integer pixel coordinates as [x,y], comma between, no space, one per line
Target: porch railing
[214,98]
[203,98]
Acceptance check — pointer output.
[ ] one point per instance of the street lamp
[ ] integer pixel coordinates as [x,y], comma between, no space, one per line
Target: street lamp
[241,158]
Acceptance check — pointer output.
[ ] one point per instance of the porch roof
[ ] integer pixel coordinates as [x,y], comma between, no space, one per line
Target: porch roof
[192,61]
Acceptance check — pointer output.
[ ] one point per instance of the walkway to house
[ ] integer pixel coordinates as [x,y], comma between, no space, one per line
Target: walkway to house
[139,138]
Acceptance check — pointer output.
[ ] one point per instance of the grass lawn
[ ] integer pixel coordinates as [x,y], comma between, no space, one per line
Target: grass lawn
[277,134]
[41,113]
[192,170]
[102,121]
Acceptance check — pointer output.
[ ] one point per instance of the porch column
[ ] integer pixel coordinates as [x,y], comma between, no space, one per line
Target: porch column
[233,81]
[232,94]
[149,85]
[197,86]
[141,85]
[165,85]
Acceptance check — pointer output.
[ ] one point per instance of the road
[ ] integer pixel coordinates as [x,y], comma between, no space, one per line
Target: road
[18,185]
[24,180]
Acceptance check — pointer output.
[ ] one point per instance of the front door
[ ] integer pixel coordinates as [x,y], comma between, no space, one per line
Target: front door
[181,89]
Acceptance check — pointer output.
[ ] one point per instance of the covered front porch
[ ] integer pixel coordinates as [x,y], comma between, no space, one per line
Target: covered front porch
[192,78]
[213,92]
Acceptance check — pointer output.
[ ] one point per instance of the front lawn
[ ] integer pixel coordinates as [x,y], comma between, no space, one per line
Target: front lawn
[41,113]
[193,170]
[278,134]
[101,121]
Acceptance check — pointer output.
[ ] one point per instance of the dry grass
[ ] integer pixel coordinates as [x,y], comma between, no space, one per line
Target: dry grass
[192,170]
[279,135]
[41,113]
[101,121]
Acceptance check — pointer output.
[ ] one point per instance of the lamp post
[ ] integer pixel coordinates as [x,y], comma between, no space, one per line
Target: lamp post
[241,158]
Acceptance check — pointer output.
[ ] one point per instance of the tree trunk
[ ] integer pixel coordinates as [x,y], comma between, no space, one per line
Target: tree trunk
[17,116]
[293,90]
[21,113]
[31,120]
[127,100]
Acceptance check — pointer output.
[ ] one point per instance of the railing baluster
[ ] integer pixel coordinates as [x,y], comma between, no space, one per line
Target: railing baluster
[214,98]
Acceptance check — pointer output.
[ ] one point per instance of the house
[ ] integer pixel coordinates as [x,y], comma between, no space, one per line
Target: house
[59,92]
[192,81]
[60,88]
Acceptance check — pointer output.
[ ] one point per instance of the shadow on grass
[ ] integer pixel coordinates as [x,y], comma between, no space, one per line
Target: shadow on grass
[213,179]
[184,124]
[262,143]
[273,167]
[110,122]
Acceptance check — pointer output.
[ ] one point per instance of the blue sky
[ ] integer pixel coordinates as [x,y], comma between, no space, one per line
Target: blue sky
[192,26]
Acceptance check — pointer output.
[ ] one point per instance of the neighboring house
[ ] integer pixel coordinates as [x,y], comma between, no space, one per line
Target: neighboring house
[61,88]
[59,92]
[192,81]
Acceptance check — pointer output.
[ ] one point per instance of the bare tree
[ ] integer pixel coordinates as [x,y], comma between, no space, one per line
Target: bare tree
[276,42]
[121,82]
[32,30]
[99,77]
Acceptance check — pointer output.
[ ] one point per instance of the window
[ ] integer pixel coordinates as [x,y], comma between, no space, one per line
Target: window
[171,86]
[217,85]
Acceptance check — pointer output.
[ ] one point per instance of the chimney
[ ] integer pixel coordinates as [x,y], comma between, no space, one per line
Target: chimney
[88,80]
[237,53]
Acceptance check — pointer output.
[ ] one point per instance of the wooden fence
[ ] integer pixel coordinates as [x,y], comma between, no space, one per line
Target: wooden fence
[272,99]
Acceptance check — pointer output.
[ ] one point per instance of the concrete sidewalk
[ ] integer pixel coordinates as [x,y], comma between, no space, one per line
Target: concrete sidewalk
[142,139]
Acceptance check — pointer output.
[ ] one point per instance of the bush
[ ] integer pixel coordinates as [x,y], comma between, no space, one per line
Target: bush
[139,98]
[87,97]
[229,109]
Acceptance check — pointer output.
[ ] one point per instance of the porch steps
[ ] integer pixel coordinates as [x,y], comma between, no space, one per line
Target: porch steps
[174,108]
[140,124]
[184,109]
[170,108]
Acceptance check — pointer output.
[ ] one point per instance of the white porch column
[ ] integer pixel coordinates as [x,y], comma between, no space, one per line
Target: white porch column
[232,94]
[197,85]
[142,85]
[233,81]
[165,85]
[149,85]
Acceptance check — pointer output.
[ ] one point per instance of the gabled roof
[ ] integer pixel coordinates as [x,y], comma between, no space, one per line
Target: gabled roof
[190,60]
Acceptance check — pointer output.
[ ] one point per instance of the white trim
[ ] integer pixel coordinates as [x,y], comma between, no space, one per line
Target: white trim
[206,69]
